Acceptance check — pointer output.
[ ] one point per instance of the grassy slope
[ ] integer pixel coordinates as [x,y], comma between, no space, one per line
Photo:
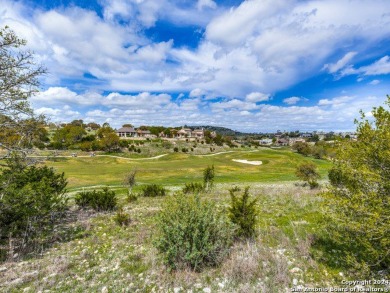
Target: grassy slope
[124,259]
[178,168]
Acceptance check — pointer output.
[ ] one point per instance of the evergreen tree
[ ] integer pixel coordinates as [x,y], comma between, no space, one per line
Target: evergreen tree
[243,213]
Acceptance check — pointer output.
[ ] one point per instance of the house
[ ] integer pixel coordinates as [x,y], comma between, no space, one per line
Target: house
[306,135]
[198,133]
[294,140]
[184,133]
[143,133]
[282,141]
[265,141]
[126,132]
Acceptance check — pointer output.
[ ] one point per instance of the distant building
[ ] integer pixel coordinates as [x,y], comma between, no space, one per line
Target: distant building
[126,132]
[265,141]
[189,133]
[294,140]
[131,132]
[307,135]
[184,133]
[198,133]
[282,142]
[143,133]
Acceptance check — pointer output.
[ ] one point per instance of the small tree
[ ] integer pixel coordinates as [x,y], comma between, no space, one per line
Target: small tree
[308,172]
[109,141]
[208,177]
[129,180]
[243,213]
[357,205]
[18,82]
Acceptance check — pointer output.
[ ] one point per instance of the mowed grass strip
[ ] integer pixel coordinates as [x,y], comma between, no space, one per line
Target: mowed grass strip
[179,168]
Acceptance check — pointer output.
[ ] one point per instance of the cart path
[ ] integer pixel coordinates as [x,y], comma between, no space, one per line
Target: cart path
[111,156]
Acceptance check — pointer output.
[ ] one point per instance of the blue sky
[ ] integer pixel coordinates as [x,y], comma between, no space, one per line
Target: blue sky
[254,65]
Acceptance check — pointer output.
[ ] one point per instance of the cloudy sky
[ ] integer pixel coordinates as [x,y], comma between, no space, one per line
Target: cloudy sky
[254,65]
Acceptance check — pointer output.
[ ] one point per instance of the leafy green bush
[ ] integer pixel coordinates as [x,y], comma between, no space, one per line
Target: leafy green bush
[32,201]
[102,200]
[192,233]
[357,205]
[122,218]
[84,199]
[105,201]
[131,197]
[243,213]
[193,187]
[153,190]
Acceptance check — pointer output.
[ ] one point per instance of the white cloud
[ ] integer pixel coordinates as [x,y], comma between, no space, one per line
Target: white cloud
[291,100]
[291,40]
[375,82]
[48,111]
[190,105]
[257,97]
[245,113]
[117,8]
[238,24]
[234,104]
[146,11]
[143,100]
[332,68]
[258,47]
[379,67]
[334,113]
[206,4]
[335,101]
[62,95]
[64,114]
[197,93]
[382,66]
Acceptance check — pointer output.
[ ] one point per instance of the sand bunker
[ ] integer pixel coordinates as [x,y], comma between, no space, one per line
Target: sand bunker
[257,163]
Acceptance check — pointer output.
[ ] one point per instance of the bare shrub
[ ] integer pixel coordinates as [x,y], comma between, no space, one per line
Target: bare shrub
[243,263]
[254,267]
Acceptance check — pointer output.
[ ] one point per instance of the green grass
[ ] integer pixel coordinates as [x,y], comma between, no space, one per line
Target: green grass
[125,259]
[178,168]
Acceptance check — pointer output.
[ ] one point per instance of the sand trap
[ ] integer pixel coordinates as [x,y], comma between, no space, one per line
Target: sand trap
[257,163]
